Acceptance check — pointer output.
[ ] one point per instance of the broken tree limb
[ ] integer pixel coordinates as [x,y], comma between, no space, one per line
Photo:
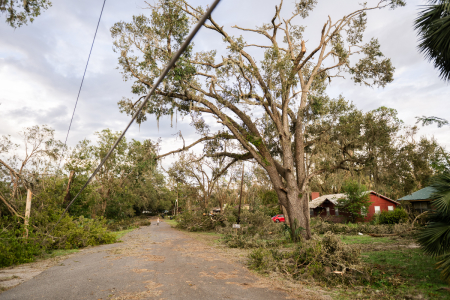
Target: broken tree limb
[26,182]
[11,208]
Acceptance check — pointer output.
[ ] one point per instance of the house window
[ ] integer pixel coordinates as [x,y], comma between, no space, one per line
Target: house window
[336,211]
[311,212]
[328,211]
[377,209]
[390,207]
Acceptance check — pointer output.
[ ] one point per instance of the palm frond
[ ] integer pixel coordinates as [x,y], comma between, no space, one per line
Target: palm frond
[441,196]
[433,26]
[435,237]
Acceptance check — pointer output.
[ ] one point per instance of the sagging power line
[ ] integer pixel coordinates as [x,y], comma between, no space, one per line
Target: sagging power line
[155,86]
[82,81]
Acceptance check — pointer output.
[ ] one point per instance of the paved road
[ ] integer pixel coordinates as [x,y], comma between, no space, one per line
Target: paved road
[153,262]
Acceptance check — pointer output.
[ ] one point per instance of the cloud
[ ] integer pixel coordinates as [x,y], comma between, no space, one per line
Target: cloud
[41,66]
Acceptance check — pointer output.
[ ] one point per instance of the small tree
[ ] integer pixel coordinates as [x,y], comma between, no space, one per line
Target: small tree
[357,201]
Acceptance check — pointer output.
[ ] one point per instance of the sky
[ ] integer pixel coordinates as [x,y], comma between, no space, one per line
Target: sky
[41,66]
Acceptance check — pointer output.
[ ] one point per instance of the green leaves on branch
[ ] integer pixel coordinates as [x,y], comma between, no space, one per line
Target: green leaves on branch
[373,69]
[20,12]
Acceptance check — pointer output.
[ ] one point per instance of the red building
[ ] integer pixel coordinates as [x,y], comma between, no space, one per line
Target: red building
[325,206]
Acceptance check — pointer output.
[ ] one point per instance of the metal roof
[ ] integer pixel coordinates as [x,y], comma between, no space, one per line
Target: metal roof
[332,198]
[423,194]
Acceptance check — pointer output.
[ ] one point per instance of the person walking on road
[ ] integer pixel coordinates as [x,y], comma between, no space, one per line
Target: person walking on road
[157,222]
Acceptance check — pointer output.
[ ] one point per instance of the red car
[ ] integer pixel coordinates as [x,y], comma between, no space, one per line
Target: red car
[278,218]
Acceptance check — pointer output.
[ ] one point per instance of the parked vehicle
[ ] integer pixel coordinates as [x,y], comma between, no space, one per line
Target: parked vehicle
[278,218]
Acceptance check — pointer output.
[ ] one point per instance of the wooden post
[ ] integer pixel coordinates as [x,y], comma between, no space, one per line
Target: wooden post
[240,196]
[27,210]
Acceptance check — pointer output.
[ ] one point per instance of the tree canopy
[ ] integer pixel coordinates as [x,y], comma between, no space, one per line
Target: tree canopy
[265,103]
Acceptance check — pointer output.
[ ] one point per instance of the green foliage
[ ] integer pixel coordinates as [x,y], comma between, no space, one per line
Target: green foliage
[357,200]
[199,221]
[125,224]
[398,215]
[403,273]
[319,226]
[14,247]
[314,259]
[81,232]
[18,12]
[435,237]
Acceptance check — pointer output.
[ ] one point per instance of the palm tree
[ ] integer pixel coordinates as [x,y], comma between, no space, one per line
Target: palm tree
[433,26]
[435,237]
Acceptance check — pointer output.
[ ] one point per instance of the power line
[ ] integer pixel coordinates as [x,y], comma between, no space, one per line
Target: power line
[155,86]
[82,81]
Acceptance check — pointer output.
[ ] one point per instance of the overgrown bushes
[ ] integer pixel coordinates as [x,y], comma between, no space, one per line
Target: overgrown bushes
[326,259]
[15,248]
[396,216]
[81,233]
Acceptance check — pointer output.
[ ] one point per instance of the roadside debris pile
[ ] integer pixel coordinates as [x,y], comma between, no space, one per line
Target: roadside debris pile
[325,259]
[319,226]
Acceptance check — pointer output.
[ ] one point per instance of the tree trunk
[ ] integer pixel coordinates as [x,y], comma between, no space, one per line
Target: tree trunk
[67,197]
[298,213]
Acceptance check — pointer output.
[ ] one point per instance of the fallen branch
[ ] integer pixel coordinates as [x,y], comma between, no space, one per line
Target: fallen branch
[10,208]
[422,214]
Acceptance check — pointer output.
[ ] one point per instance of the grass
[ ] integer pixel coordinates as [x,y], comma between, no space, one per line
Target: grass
[404,274]
[61,252]
[172,223]
[120,234]
[364,239]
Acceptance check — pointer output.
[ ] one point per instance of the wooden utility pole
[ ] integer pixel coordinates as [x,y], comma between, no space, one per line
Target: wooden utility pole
[240,196]
[27,210]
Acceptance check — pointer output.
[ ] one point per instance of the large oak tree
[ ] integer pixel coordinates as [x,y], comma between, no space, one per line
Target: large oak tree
[265,96]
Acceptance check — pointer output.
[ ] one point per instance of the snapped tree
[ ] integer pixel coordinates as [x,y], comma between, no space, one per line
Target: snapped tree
[264,96]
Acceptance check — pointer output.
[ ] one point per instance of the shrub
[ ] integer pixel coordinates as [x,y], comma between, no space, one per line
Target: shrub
[82,232]
[396,216]
[15,249]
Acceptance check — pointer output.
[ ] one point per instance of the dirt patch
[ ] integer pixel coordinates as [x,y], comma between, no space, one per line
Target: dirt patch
[139,271]
[219,275]
[154,258]
[152,291]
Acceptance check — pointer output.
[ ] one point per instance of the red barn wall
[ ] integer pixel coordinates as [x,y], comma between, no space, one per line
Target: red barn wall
[378,201]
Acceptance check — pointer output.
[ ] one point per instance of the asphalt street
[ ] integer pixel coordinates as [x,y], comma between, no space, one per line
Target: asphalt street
[152,262]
